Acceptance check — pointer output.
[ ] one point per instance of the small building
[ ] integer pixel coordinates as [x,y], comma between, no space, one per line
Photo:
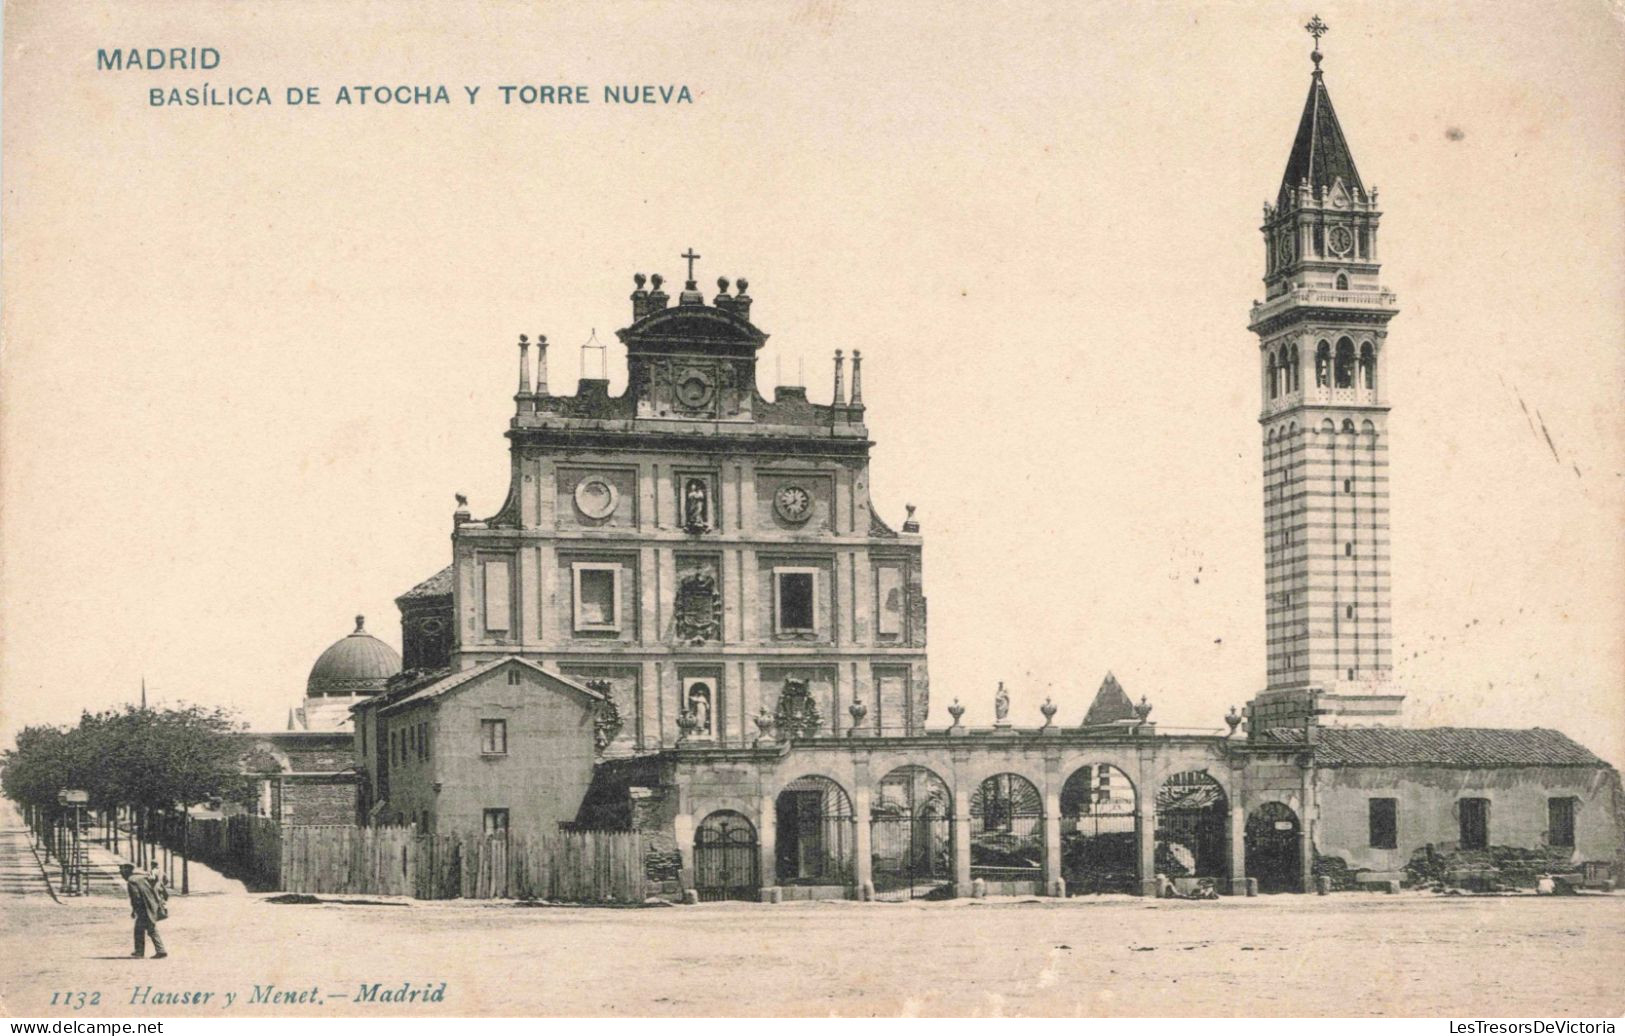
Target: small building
[501,746]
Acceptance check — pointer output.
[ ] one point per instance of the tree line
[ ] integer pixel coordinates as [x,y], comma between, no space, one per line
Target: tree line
[134,763]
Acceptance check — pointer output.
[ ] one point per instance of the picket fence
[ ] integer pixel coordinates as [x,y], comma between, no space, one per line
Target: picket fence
[570,867]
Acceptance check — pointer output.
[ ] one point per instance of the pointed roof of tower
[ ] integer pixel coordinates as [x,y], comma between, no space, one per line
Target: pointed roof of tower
[1320,155]
[1111,704]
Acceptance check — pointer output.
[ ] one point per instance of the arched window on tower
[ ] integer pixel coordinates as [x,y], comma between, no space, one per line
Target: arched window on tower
[1345,363]
[1323,365]
[1292,371]
[1275,379]
[1368,367]
[1342,282]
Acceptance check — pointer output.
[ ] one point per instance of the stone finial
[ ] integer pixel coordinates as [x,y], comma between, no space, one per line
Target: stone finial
[1233,718]
[956,710]
[909,524]
[640,297]
[742,298]
[524,365]
[1143,709]
[541,365]
[460,516]
[360,623]
[657,297]
[857,710]
[764,725]
[840,379]
[1049,709]
[857,378]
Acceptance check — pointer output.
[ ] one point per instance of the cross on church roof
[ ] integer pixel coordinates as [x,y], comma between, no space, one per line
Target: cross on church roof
[1317,29]
[690,256]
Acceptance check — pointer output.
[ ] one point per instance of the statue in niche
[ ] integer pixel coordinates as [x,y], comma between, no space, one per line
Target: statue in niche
[698,708]
[797,714]
[696,506]
[699,608]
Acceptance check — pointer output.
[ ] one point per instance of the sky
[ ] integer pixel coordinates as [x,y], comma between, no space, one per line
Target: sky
[249,353]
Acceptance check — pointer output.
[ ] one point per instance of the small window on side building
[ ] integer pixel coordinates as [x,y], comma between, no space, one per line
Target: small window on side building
[1560,822]
[496,822]
[1475,823]
[493,737]
[1384,823]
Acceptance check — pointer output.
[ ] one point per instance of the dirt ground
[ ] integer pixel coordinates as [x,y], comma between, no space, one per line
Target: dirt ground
[1351,954]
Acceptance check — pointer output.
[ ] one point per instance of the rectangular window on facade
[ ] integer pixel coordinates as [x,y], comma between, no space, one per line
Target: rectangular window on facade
[889,603]
[513,678]
[1560,822]
[496,822]
[794,594]
[1384,823]
[497,597]
[1475,823]
[425,740]
[597,596]
[493,737]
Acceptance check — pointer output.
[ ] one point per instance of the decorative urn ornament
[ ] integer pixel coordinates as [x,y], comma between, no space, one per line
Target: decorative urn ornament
[1143,709]
[956,710]
[1233,718]
[1049,709]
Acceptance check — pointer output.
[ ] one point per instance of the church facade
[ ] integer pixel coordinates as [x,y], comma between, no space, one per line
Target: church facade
[687,619]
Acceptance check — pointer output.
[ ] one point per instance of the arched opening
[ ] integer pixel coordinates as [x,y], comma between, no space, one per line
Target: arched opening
[1368,367]
[1272,848]
[1342,282]
[1007,833]
[910,836]
[813,839]
[1099,847]
[726,858]
[1293,383]
[1192,825]
[1323,364]
[1275,375]
[1345,363]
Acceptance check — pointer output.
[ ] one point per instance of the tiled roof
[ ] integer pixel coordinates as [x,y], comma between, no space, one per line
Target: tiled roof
[463,676]
[1319,152]
[437,585]
[1439,746]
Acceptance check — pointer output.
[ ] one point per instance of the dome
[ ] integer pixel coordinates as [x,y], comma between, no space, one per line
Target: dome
[357,665]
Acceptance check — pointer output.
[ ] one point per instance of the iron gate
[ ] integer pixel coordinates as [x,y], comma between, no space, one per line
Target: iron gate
[726,856]
[1007,830]
[913,855]
[911,836]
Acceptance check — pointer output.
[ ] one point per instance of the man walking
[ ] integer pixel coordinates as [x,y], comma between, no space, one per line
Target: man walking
[147,907]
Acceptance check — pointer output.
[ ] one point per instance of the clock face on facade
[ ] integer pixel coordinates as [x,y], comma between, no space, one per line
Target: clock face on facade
[1286,247]
[1341,240]
[693,387]
[793,503]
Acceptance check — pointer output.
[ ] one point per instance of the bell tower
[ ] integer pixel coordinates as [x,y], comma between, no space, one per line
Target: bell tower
[1322,331]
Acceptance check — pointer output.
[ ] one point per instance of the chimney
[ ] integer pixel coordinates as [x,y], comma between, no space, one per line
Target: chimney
[657,298]
[524,365]
[840,379]
[742,300]
[857,378]
[640,299]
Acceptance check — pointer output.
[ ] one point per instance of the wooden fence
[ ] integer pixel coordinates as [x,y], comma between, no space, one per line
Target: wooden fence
[571,867]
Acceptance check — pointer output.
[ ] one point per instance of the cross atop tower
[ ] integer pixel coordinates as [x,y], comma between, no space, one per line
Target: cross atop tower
[690,255]
[1317,29]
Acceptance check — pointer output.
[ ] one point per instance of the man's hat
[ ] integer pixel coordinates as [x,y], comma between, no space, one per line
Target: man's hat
[126,869]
